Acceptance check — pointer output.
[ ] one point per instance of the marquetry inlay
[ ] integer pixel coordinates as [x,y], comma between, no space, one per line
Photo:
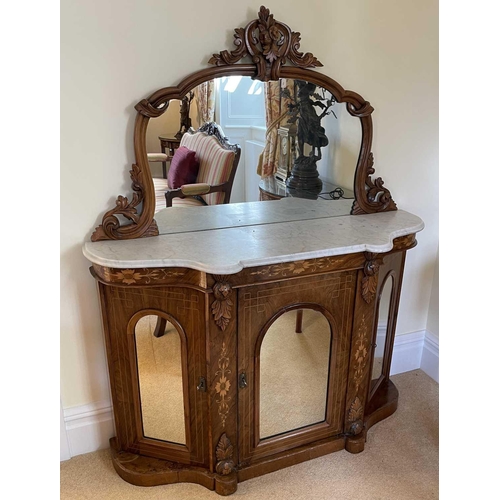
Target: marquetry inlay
[149,276]
[298,267]
[133,276]
[223,384]
[361,349]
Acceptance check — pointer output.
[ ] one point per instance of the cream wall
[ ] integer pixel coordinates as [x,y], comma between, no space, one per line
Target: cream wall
[117,52]
[433,317]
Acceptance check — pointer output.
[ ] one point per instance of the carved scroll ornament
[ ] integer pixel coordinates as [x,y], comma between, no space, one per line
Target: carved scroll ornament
[378,198]
[269,43]
[111,229]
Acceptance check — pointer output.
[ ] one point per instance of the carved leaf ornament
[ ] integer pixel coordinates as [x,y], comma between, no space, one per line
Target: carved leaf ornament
[355,416]
[369,282]
[221,306]
[224,455]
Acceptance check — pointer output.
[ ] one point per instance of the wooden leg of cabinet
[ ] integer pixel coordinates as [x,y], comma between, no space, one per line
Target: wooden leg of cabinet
[226,485]
[355,444]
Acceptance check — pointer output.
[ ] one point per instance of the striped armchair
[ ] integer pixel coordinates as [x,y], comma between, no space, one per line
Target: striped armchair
[218,162]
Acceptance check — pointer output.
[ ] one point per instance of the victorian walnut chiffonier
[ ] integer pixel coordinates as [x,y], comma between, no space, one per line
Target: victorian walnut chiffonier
[242,338]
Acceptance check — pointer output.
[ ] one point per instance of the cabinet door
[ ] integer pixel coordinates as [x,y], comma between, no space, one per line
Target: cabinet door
[293,353]
[156,356]
[386,312]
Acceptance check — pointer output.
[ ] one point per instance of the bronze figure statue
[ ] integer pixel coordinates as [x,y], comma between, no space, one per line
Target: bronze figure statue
[304,179]
[309,127]
[184,112]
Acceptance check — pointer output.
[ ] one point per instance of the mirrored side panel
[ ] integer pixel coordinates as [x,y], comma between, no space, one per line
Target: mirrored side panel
[382,326]
[294,372]
[159,366]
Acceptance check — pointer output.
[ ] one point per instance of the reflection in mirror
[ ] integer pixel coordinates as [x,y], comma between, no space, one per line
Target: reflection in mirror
[159,366]
[383,320]
[294,370]
[273,128]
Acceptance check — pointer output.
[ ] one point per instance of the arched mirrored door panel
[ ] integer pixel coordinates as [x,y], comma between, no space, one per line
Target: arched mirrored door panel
[384,304]
[294,372]
[160,359]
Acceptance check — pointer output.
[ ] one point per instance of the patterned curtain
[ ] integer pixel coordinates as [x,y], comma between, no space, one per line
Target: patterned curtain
[205,102]
[276,111]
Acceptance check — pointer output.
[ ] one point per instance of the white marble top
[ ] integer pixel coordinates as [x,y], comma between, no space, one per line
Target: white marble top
[230,249]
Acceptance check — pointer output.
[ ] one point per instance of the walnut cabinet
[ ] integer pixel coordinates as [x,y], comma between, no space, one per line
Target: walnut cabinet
[236,388]
[246,337]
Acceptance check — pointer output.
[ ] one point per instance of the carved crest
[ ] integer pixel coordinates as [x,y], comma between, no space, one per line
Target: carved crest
[224,455]
[221,306]
[269,43]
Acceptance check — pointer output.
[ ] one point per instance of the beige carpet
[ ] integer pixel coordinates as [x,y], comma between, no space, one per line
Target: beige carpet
[400,462]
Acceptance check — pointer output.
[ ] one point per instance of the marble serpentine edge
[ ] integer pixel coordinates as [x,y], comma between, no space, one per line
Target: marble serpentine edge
[228,251]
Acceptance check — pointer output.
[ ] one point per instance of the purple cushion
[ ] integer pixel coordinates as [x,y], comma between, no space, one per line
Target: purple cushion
[183,168]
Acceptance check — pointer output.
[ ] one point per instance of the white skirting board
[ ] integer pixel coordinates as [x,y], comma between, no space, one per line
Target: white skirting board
[430,356]
[89,427]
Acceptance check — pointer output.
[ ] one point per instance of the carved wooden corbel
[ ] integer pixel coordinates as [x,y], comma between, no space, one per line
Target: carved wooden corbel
[224,454]
[378,198]
[369,282]
[221,306]
[111,229]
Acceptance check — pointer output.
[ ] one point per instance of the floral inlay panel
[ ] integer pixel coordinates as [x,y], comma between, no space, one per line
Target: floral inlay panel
[223,385]
[298,267]
[142,276]
[361,349]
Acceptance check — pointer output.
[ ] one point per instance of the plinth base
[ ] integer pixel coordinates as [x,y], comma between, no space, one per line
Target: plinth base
[304,178]
[141,470]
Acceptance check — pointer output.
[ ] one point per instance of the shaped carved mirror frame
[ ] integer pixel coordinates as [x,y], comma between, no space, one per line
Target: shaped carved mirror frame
[269,44]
